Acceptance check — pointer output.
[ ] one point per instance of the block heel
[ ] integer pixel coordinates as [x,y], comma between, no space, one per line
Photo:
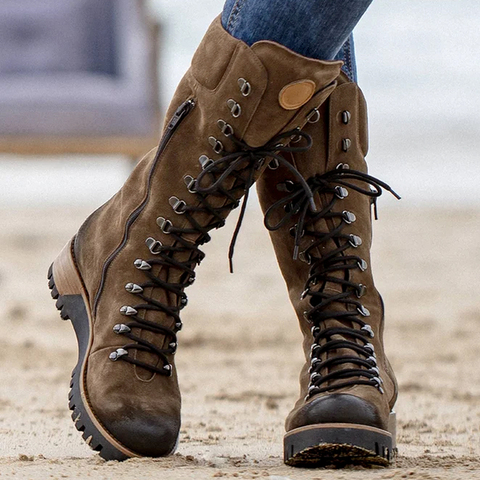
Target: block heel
[66,287]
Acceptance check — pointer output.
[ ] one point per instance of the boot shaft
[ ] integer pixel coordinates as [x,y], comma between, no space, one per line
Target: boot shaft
[340,143]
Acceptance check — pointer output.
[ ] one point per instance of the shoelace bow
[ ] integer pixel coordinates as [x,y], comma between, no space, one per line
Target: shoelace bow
[240,165]
[356,336]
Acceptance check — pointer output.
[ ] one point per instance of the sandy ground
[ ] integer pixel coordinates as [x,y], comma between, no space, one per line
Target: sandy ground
[239,361]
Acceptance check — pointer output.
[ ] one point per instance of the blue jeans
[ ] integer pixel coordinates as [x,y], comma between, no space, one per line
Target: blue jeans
[319,29]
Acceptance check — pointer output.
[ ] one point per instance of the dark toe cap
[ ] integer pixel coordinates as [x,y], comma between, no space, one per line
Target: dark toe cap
[146,436]
[338,408]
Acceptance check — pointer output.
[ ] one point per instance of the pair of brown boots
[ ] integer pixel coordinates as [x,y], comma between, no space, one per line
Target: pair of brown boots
[240,114]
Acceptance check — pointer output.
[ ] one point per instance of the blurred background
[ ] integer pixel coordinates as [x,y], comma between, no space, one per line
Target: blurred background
[417,67]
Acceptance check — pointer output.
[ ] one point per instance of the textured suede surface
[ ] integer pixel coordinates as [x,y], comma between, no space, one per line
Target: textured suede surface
[120,390]
[325,155]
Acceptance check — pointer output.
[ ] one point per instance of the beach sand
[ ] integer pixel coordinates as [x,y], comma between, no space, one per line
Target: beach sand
[239,360]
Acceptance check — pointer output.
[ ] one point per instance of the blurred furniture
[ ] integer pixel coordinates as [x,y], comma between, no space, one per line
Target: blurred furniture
[78,76]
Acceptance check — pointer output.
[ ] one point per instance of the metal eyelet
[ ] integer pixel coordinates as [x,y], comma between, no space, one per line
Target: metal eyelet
[346,144]
[348,217]
[312,388]
[121,328]
[142,264]
[369,346]
[119,352]
[305,257]
[173,346]
[217,145]
[133,288]
[361,290]
[179,326]
[164,224]
[375,370]
[341,192]
[346,117]
[235,108]
[368,329]
[245,87]
[365,312]
[314,376]
[169,369]
[128,311]
[315,361]
[362,265]
[315,330]
[354,240]
[274,164]
[190,183]
[204,161]
[183,302]
[225,127]
[315,346]
[155,246]
[373,360]
[343,166]
[177,205]
[313,116]
[378,381]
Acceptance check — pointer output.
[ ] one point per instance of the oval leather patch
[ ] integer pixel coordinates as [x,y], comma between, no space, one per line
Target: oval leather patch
[296,94]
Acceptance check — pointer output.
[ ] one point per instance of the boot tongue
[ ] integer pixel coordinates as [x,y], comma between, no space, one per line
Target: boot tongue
[292,81]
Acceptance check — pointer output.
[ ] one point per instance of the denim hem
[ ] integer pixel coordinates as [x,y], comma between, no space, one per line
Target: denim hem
[233,17]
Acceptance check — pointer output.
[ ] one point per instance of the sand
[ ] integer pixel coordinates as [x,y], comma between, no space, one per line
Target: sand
[239,361]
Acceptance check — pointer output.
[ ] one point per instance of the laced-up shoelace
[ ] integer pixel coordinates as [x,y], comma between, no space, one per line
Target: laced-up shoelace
[354,332]
[241,166]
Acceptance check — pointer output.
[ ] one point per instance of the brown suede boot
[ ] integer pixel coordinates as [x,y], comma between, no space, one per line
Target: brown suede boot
[348,389]
[122,278]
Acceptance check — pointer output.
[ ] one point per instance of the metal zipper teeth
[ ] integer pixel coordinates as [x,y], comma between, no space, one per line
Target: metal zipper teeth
[179,115]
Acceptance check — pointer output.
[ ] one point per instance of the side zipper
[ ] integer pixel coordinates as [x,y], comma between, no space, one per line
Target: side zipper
[180,114]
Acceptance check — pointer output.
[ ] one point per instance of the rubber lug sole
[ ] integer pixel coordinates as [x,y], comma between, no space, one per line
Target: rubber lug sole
[72,307]
[338,445]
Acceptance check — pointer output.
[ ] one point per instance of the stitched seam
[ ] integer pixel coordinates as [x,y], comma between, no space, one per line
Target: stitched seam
[232,19]
[348,58]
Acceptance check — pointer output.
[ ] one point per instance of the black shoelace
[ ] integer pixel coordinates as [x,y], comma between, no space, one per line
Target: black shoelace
[354,333]
[240,166]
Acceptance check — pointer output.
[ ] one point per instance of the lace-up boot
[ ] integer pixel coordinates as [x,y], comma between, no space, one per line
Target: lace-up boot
[122,278]
[348,389]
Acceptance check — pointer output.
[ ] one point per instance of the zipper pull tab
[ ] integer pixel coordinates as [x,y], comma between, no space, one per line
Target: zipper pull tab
[181,111]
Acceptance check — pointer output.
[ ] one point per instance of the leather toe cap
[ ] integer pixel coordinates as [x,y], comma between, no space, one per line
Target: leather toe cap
[146,436]
[337,408]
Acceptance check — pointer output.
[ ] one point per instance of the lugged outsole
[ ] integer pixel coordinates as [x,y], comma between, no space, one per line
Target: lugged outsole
[338,446]
[72,307]
[336,456]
